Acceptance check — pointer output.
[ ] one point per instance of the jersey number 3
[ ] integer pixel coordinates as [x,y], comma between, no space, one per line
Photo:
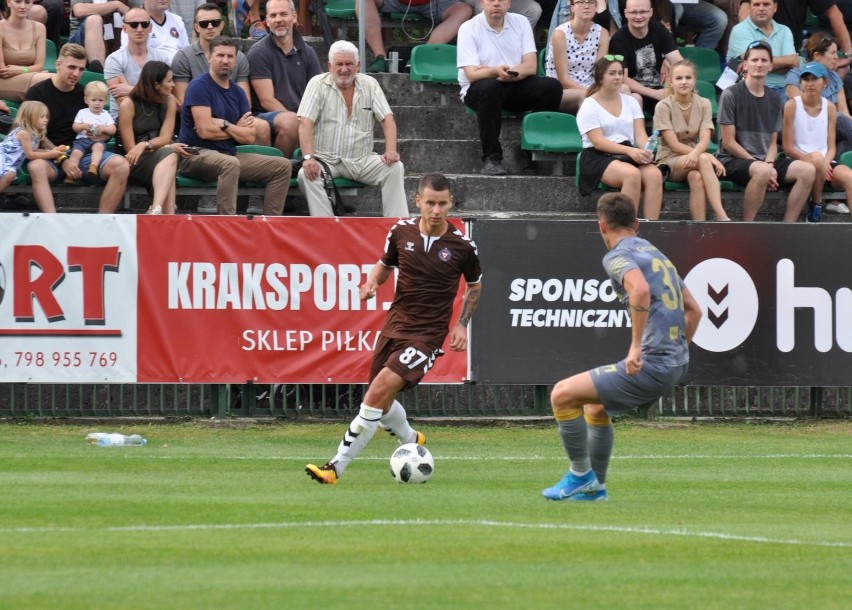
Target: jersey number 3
[672,298]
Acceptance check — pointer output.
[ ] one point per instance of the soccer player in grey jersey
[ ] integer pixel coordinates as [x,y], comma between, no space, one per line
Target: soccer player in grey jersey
[431,255]
[664,317]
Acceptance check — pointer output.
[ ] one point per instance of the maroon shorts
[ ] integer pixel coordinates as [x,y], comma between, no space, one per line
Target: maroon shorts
[408,358]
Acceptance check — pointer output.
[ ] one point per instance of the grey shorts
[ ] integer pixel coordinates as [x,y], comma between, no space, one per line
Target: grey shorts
[435,9]
[620,392]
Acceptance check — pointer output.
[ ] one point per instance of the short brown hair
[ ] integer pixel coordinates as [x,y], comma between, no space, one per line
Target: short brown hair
[74,51]
[436,182]
[617,210]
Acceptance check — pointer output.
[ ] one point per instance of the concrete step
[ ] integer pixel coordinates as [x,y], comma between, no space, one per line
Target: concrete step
[438,123]
[476,195]
[400,90]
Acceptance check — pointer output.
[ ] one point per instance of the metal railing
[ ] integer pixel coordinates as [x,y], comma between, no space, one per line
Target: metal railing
[289,401]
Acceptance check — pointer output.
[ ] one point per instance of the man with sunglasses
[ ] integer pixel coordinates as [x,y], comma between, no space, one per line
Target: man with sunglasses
[191,62]
[749,121]
[281,66]
[123,67]
[645,45]
[215,118]
[760,25]
[167,33]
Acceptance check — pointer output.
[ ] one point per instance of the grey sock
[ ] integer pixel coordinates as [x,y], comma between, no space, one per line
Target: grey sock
[575,440]
[600,449]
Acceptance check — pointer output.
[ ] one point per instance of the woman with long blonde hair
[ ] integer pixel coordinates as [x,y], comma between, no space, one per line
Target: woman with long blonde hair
[685,122]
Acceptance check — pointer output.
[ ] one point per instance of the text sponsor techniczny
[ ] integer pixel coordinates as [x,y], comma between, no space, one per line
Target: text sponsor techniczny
[277,286]
[558,291]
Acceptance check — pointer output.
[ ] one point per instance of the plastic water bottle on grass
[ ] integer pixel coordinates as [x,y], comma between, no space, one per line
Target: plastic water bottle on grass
[113,439]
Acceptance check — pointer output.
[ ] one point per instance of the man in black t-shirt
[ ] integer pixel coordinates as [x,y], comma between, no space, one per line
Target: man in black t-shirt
[63,96]
[645,45]
[431,255]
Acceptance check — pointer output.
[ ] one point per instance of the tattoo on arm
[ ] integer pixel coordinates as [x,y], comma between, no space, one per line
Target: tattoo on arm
[641,308]
[471,300]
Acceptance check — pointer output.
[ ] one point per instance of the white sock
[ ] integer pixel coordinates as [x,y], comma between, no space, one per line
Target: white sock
[359,433]
[396,421]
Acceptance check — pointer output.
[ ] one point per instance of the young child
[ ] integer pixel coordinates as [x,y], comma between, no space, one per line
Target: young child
[25,141]
[93,126]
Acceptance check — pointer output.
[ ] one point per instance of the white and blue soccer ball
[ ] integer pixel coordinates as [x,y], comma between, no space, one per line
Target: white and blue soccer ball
[412,463]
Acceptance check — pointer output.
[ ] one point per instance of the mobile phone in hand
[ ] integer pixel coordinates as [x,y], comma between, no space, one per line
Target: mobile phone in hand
[511,73]
[193,150]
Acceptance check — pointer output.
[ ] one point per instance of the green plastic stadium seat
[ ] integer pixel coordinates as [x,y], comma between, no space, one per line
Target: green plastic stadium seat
[434,63]
[846,159]
[550,136]
[551,132]
[707,89]
[50,56]
[89,76]
[340,9]
[707,62]
[542,56]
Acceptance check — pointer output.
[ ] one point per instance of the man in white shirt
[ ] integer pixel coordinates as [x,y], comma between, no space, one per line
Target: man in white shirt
[498,66]
[168,33]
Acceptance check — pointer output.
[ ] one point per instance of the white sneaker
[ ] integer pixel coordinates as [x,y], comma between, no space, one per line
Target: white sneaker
[837,208]
[155,210]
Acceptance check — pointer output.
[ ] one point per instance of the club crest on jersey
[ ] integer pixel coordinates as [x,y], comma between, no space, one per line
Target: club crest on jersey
[174,33]
[409,246]
[444,255]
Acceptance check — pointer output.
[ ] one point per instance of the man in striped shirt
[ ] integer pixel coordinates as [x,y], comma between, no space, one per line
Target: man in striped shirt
[336,118]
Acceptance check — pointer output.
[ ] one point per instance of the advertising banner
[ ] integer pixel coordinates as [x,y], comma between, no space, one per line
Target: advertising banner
[214,299]
[67,298]
[776,300]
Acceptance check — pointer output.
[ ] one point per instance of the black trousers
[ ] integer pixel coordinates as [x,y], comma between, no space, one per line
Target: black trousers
[489,97]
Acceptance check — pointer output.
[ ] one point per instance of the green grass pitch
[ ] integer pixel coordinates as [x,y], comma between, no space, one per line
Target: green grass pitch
[700,516]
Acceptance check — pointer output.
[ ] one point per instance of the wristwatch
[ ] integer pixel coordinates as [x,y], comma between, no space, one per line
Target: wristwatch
[225,125]
[306,157]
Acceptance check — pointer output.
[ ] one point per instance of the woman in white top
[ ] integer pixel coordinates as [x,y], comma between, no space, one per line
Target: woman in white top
[613,130]
[809,134]
[572,52]
[685,122]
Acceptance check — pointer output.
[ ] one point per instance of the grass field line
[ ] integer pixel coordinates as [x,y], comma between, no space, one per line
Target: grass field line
[431,522]
[145,454]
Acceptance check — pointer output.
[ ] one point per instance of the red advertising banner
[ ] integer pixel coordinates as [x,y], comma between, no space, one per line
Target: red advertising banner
[232,299]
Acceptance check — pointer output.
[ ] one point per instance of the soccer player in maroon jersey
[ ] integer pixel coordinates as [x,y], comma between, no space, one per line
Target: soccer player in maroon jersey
[431,256]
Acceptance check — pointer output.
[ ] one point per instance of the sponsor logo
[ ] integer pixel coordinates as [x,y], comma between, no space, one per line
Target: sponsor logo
[728,297]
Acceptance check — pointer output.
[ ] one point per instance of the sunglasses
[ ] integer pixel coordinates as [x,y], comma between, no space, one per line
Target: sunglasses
[137,24]
[206,23]
[614,57]
[759,43]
